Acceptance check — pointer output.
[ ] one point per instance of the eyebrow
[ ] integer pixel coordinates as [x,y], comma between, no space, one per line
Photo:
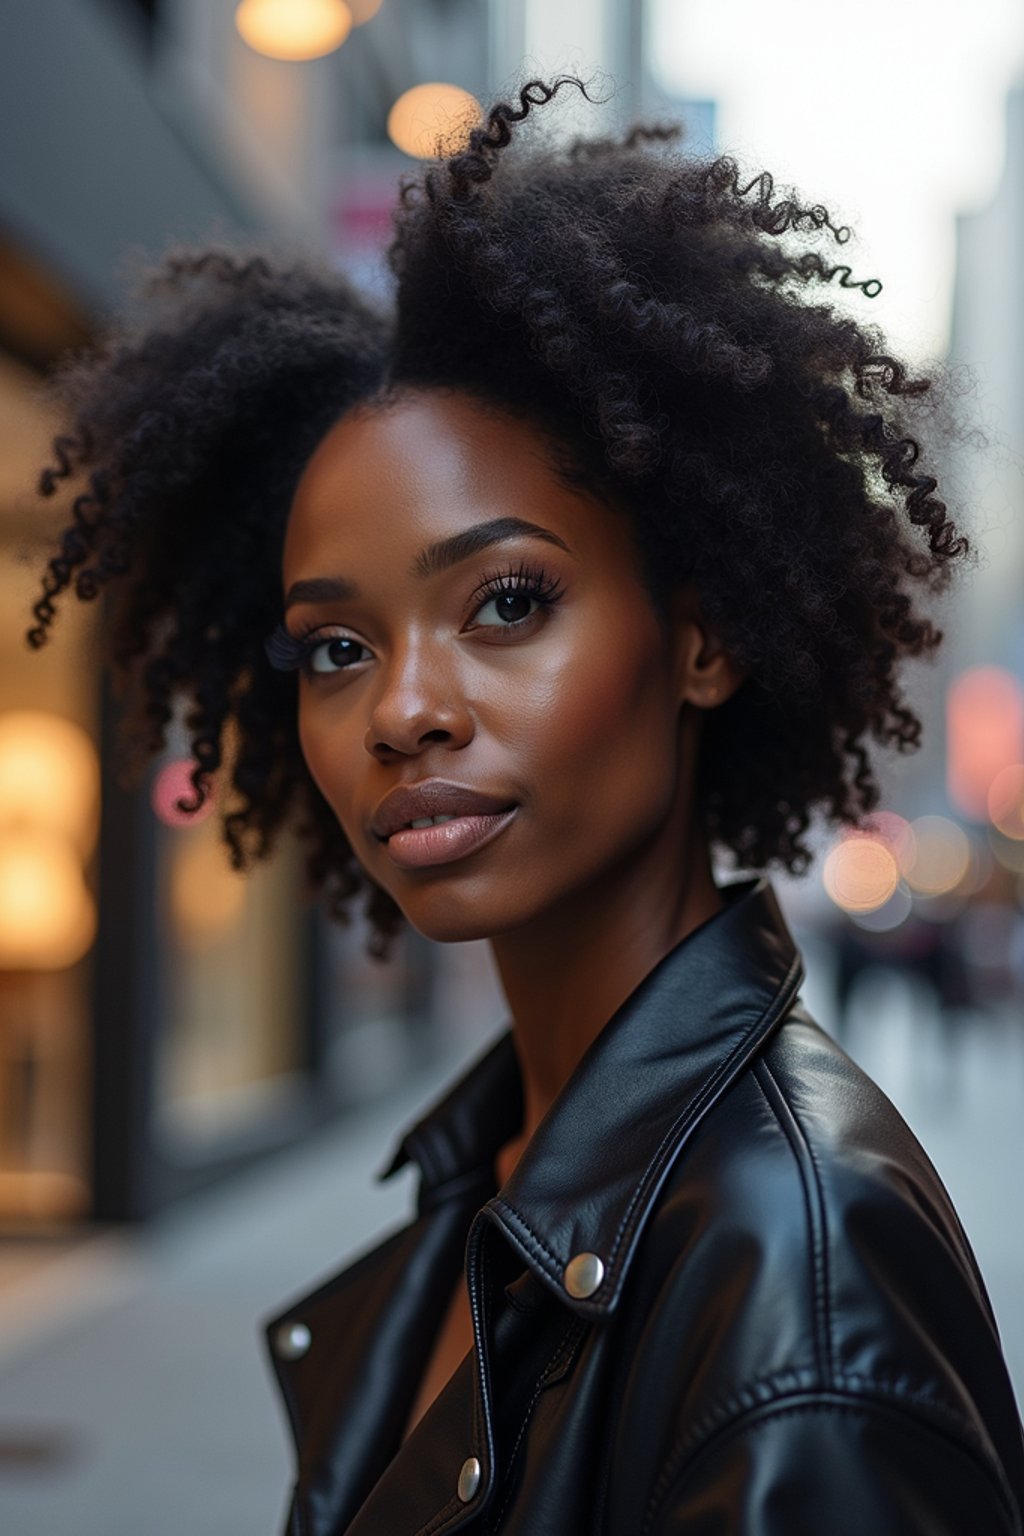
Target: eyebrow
[440,556]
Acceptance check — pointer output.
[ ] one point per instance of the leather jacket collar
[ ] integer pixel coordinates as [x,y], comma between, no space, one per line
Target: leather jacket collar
[593,1168]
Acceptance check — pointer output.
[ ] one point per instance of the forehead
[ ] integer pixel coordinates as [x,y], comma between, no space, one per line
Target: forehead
[389,478]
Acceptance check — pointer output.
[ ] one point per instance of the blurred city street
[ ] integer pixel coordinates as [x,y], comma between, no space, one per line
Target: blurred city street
[141,1352]
[201,1071]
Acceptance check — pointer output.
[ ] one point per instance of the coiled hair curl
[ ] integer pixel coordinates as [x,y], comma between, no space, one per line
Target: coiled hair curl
[667,323]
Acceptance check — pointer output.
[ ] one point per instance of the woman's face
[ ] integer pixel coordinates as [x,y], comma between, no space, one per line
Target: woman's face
[478,645]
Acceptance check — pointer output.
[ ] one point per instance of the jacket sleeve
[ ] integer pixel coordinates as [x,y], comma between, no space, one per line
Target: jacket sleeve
[842,1465]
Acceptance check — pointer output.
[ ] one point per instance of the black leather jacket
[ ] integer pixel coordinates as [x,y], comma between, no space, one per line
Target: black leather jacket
[785,1332]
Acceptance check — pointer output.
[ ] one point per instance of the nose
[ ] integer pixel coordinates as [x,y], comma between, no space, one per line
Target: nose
[418,702]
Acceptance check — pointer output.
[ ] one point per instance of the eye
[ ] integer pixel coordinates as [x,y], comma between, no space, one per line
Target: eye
[334,653]
[513,598]
[313,654]
[510,607]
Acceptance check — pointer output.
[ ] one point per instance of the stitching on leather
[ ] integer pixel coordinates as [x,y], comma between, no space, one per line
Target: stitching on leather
[775,1007]
[566,1347]
[817,1222]
[920,1405]
[480,1436]
[530,1238]
[672,1135]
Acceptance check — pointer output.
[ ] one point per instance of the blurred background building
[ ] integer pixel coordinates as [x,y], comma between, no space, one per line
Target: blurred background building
[164,1023]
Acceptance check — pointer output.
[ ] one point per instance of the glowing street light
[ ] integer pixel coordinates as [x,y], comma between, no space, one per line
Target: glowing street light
[433,120]
[294,29]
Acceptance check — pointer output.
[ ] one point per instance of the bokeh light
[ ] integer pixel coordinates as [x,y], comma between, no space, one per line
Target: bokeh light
[985,734]
[894,832]
[942,856]
[47,916]
[860,873]
[433,120]
[294,29]
[174,783]
[49,776]
[1006,801]
[363,10]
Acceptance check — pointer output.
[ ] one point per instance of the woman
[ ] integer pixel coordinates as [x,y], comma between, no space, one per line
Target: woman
[602,552]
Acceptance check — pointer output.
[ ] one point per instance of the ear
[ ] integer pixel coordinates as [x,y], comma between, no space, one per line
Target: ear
[706,674]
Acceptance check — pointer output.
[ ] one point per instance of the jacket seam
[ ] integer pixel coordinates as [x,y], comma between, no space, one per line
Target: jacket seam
[809,1172]
[673,1135]
[696,1105]
[564,1350]
[855,1394]
[535,1246]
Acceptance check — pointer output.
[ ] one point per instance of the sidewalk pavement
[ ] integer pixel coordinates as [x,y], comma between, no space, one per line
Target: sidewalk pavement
[134,1397]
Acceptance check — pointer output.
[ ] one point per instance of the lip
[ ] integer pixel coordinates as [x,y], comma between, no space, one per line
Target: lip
[423,847]
[434,797]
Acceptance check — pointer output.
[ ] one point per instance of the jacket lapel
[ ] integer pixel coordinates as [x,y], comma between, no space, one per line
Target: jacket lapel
[592,1170]
[364,1340]
[525,1343]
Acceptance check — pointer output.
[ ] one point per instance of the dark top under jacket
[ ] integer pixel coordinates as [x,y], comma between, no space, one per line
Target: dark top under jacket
[786,1333]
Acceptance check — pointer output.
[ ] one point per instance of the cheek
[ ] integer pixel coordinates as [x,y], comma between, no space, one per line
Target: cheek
[603,720]
[327,754]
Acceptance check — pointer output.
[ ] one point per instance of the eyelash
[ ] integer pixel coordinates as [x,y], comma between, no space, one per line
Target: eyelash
[291,653]
[526,580]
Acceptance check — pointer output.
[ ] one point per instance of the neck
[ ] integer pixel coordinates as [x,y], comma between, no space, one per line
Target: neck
[565,977]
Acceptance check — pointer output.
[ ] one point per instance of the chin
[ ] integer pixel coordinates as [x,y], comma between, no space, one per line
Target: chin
[448,921]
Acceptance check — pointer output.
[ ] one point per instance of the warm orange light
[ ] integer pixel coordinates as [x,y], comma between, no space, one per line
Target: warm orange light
[1006,801]
[985,734]
[942,856]
[893,832]
[49,777]
[47,917]
[174,783]
[433,120]
[860,873]
[207,895]
[294,29]
[363,10]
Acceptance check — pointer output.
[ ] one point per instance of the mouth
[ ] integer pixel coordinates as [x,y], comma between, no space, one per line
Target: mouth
[435,822]
[445,839]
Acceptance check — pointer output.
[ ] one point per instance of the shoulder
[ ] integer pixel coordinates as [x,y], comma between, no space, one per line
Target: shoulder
[805,1254]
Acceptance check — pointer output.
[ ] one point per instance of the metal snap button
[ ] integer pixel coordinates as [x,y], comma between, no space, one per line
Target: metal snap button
[583,1275]
[292,1340]
[469,1479]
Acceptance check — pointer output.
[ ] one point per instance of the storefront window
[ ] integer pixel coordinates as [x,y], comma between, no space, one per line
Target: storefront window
[49,816]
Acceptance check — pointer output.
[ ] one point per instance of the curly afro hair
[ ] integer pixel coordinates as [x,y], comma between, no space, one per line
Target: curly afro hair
[664,323]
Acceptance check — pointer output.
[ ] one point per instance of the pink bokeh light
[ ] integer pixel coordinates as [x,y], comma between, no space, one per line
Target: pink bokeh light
[173,783]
